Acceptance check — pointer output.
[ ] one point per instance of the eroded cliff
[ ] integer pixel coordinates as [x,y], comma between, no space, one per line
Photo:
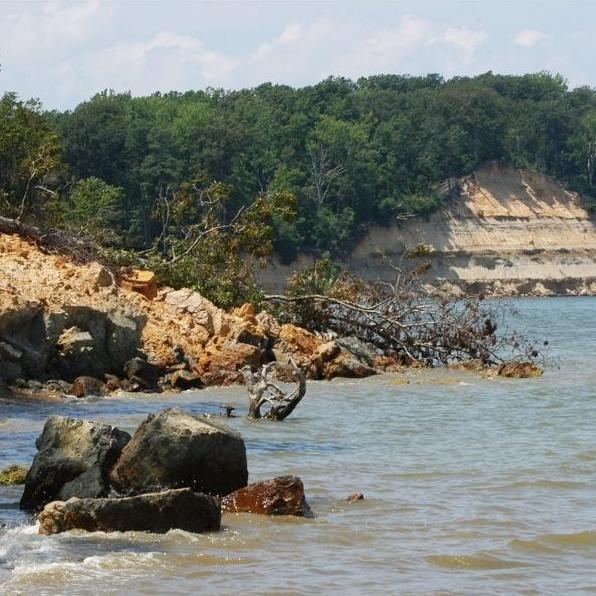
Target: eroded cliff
[505,232]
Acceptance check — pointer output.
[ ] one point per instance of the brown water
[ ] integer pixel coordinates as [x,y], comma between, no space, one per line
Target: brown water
[472,486]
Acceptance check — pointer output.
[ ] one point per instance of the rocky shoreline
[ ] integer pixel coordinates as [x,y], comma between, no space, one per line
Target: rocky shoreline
[69,329]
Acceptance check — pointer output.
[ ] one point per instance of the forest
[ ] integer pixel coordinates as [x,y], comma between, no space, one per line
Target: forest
[276,168]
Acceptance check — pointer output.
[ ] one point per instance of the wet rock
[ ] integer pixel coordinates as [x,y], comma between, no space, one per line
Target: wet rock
[142,372]
[175,449]
[520,370]
[152,512]
[87,386]
[355,497]
[13,475]
[113,383]
[74,458]
[184,379]
[348,366]
[283,495]
[58,386]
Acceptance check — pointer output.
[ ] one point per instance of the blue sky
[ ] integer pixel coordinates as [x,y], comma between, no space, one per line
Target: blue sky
[65,51]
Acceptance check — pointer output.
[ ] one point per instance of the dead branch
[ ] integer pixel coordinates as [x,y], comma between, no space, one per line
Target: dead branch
[403,319]
[262,391]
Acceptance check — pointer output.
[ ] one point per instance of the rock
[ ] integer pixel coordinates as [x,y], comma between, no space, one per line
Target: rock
[13,475]
[268,322]
[355,497]
[74,458]
[9,352]
[10,371]
[142,372]
[58,386]
[520,370]
[86,386]
[346,365]
[283,495]
[101,276]
[184,379]
[113,383]
[299,340]
[152,512]
[143,282]
[228,357]
[245,311]
[175,449]
[473,365]
[363,351]
[248,333]
[327,351]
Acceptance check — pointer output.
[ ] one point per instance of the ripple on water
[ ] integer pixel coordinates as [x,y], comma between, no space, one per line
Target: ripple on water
[478,561]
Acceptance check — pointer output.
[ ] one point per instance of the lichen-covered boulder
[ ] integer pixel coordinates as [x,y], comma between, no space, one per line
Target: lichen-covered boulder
[175,449]
[152,512]
[283,495]
[74,459]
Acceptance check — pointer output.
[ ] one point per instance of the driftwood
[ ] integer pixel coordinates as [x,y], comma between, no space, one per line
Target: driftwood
[262,391]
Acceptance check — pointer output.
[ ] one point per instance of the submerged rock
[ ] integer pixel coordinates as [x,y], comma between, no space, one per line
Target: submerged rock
[152,512]
[74,459]
[175,449]
[13,475]
[283,495]
[520,370]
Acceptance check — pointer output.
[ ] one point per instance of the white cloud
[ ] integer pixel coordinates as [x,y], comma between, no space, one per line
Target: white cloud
[528,38]
[411,33]
[464,40]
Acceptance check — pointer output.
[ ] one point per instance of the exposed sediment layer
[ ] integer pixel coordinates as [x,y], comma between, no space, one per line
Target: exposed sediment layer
[509,231]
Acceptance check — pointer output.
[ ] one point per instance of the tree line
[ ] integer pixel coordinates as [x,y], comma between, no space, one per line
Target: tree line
[318,163]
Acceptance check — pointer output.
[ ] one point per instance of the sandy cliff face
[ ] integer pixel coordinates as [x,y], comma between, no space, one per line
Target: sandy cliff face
[508,232]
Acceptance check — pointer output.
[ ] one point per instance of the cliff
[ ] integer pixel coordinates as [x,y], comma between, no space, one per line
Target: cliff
[504,231]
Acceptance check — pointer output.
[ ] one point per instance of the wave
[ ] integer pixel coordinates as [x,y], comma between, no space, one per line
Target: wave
[479,561]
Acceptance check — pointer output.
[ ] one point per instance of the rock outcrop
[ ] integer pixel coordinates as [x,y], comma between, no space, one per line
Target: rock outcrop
[283,495]
[153,512]
[74,458]
[175,449]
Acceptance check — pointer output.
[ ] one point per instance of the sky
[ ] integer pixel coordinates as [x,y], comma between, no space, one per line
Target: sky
[65,51]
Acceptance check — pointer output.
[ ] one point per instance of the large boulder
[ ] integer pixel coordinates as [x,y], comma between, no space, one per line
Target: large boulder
[74,459]
[175,449]
[283,495]
[153,512]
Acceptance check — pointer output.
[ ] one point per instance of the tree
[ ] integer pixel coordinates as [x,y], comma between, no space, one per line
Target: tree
[28,154]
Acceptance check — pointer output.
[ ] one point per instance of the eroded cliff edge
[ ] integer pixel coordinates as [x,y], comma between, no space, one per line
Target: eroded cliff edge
[505,232]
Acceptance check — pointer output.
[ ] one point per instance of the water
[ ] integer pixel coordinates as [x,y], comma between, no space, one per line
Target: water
[472,485]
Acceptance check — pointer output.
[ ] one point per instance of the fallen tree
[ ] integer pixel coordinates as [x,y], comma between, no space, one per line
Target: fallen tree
[402,319]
